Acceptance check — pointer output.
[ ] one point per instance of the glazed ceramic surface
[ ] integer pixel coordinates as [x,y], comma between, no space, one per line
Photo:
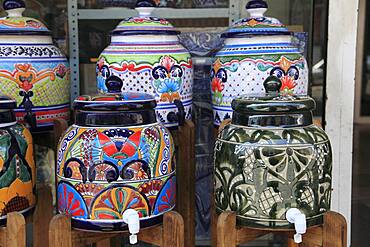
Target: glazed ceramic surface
[17,175]
[145,56]
[32,69]
[272,158]
[255,48]
[114,158]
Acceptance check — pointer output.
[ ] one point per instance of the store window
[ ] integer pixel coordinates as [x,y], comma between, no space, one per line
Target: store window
[307,18]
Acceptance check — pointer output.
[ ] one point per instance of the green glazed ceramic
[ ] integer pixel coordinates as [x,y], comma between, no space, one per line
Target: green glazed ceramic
[272,158]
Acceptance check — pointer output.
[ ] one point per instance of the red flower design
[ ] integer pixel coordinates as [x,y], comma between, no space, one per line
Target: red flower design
[217,85]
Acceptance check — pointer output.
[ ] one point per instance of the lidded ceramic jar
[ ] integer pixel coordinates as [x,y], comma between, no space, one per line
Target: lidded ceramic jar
[115,157]
[32,70]
[255,48]
[272,158]
[145,56]
[17,175]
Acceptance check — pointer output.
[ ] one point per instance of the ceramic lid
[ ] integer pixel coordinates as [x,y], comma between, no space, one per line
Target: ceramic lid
[7,115]
[15,23]
[121,110]
[273,101]
[121,102]
[144,23]
[257,23]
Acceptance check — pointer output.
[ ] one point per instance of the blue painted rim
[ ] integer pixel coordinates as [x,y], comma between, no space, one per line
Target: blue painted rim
[144,32]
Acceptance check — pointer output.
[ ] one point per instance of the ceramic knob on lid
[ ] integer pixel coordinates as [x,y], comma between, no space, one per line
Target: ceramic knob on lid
[114,159]
[32,70]
[273,159]
[17,176]
[145,56]
[255,48]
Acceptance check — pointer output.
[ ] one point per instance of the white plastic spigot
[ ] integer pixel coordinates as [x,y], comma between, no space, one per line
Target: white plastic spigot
[131,218]
[296,217]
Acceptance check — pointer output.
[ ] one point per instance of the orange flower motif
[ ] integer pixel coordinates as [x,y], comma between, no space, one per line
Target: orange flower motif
[288,84]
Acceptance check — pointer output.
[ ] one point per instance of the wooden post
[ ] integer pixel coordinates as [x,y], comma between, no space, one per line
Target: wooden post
[42,216]
[173,230]
[15,230]
[60,231]
[334,230]
[186,179]
[226,230]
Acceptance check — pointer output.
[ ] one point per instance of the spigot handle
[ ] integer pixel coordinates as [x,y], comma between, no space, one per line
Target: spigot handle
[181,112]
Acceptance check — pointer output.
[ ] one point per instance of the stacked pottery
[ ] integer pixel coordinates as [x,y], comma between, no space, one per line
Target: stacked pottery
[32,69]
[145,56]
[115,162]
[17,175]
[272,160]
[255,48]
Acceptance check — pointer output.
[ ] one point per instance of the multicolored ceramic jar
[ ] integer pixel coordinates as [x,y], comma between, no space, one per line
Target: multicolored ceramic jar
[255,48]
[145,56]
[115,157]
[272,158]
[17,175]
[32,69]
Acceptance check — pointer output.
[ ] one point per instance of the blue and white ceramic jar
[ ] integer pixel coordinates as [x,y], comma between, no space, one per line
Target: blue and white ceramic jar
[32,70]
[145,56]
[255,48]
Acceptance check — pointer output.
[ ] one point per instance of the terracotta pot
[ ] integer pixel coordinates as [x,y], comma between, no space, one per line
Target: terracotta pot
[115,157]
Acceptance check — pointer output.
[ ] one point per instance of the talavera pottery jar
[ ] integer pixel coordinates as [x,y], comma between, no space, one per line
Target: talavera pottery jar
[145,56]
[272,158]
[115,157]
[32,70]
[255,48]
[17,175]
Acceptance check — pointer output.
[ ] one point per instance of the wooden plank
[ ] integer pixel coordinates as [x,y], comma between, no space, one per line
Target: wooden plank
[186,179]
[245,234]
[82,238]
[60,126]
[103,243]
[151,235]
[15,230]
[313,236]
[42,216]
[173,230]
[226,230]
[334,230]
[60,231]
[340,88]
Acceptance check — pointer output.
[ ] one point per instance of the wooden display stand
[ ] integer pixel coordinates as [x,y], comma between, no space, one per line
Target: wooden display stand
[169,234]
[226,233]
[184,138]
[332,233]
[14,234]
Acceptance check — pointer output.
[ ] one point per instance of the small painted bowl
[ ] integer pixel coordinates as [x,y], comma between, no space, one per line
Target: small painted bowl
[116,156]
